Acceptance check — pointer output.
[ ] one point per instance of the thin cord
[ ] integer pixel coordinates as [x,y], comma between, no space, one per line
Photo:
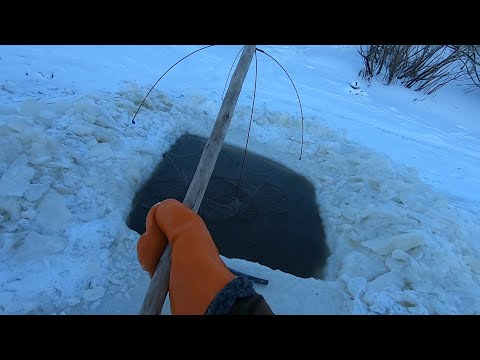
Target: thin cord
[248,134]
[226,81]
[165,73]
[298,96]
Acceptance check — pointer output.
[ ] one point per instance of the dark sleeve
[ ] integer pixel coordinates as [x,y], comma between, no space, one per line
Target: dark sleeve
[251,305]
[238,297]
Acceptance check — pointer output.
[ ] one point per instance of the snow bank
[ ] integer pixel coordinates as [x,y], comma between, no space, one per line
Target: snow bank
[72,164]
[68,173]
[387,229]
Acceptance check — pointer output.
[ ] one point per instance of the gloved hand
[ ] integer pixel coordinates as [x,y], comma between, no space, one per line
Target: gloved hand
[198,273]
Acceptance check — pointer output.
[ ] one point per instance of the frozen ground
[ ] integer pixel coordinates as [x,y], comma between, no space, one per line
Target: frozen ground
[396,178]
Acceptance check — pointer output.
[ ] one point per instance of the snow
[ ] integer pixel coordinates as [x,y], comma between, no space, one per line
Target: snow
[396,178]
[16,179]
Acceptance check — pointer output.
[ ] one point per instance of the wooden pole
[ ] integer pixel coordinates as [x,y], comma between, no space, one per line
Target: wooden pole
[157,291]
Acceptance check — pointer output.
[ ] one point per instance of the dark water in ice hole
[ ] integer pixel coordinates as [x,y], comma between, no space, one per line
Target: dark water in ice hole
[276,220]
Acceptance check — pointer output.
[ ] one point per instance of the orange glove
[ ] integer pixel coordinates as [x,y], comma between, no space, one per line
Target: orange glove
[198,273]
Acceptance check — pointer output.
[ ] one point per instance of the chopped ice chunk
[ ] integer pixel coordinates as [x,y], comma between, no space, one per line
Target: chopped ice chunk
[384,245]
[36,245]
[17,178]
[35,191]
[94,294]
[53,213]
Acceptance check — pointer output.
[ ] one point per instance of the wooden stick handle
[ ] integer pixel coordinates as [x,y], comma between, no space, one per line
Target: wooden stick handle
[157,291]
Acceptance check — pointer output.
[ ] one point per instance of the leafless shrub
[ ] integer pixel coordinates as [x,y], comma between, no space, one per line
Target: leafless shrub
[470,58]
[422,67]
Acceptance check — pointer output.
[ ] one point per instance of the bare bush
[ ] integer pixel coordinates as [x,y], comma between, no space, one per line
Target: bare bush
[470,58]
[421,67]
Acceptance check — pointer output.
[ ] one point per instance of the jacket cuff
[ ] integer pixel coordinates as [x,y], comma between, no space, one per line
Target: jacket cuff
[240,287]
